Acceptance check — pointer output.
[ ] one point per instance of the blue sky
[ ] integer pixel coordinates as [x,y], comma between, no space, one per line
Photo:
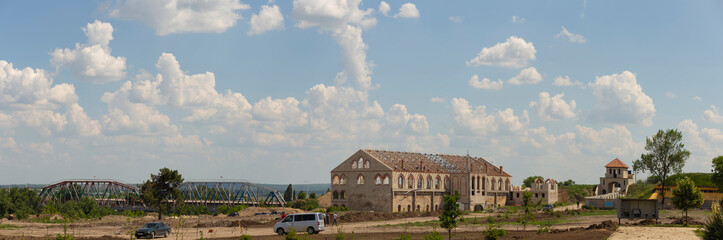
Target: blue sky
[280,92]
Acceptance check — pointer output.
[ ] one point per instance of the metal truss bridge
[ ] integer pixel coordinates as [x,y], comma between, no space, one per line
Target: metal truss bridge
[118,195]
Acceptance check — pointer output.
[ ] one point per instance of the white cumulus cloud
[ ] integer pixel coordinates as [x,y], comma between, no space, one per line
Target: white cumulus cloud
[526,76]
[516,19]
[456,19]
[712,115]
[553,108]
[565,81]
[476,120]
[181,16]
[621,100]
[437,100]
[513,53]
[332,15]
[572,37]
[485,83]
[269,18]
[92,61]
[408,10]
[384,8]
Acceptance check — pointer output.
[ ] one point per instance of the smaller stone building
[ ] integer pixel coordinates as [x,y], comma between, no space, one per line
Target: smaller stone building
[617,178]
[542,190]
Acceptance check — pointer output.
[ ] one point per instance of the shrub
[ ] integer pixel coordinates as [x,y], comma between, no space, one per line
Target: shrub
[337,209]
[544,228]
[20,202]
[245,237]
[434,235]
[405,236]
[713,228]
[305,204]
[230,209]
[340,235]
[493,232]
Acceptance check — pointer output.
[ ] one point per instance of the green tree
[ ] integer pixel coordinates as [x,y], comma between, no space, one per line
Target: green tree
[450,213]
[666,155]
[569,182]
[288,194]
[687,196]
[161,187]
[717,177]
[312,195]
[527,201]
[529,180]
[302,195]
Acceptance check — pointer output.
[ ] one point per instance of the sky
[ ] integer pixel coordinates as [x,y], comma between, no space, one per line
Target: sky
[283,91]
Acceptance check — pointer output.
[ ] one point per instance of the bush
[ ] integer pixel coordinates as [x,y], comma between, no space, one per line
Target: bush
[713,228]
[85,208]
[20,202]
[245,237]
[337,209]
[434,235]
[405,236]
[230,209]
[493,232]
[544,228]
[340,235]
[305,204]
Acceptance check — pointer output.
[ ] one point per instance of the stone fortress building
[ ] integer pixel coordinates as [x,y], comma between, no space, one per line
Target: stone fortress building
[389,181]
[617,178]
[542,190]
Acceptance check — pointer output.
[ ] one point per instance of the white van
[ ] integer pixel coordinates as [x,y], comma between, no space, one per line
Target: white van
[310,222]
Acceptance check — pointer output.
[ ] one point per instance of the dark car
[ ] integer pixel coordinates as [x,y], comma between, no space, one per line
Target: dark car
[153,230]
[548,207]
[233,214]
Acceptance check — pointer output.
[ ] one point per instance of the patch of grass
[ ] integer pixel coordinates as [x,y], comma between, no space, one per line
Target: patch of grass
[583,190]
[599,212]
[8,226]
[413,224]
[47,220]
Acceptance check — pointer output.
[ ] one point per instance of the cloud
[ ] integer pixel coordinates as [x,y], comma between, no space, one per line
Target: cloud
[126,117]
[92,61]
[408,10]
[384,8]
[399,122]
[181,16]
[572,37]
[526,76]
[456,19]
[564,81]
[621,100]
[697,98]
[477,121]
[553,108]
[704,144]
[516,19]
[354,55]
[712,115]
[513,53]
[269,18]
[332,15]
[29,98]
[670,94]
[437,100]
[485,83]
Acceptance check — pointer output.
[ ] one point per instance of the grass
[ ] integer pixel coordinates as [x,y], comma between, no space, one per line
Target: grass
[700,179]
[8,226]
[583,190]
[47,220]
[640,190]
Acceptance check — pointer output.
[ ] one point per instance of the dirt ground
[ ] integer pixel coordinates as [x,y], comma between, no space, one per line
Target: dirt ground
[364,225]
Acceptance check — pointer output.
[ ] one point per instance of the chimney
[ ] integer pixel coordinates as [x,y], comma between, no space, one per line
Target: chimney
[402,163]
[500,168]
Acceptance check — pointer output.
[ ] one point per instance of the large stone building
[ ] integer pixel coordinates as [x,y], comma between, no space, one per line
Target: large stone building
[387,181]
[617,178]
[544,191]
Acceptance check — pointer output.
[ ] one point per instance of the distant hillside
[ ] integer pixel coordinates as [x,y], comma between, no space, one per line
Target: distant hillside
[700,179]
[319,188]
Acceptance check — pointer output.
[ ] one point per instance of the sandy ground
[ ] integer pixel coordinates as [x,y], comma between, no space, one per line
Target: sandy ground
[673,233]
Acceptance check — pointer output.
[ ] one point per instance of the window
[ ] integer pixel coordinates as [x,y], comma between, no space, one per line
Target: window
[353,164]
[472,182]
[478,183]
[378,180]
[335,195]
[342,179]
[366,164]
[499,187]
[411,182]
[399,208]
[335,180]
[429,182]
[400,183]
[543,195]
[436,182]
[493,184]
[342,195]
[409,208]
[536,196]
[518,195]
[360,179]
[446,182]
[419,182]
[386,180]
[484,184]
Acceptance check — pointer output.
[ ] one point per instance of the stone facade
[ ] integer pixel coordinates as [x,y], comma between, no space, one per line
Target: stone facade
[617,178]
[386,181]
[542,190]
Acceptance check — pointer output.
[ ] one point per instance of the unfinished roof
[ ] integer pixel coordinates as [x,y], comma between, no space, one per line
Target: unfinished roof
[616,163]
[424,162]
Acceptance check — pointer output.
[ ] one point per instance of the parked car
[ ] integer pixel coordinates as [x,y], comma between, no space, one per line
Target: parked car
[312,223]
[153,230]
[548,207]
[233,214]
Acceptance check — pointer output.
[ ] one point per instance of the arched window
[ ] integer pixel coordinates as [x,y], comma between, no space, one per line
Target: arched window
[446,182]
[484,184]
[478,183]
[342,179]
[335,180]
[353,164]
[419,182]
[493,184]
[429,182]
[436,183]
[366,164]
[499,187]
[378,180]
[419,208]
[411,182]
[473,183]
[399,208]
[360,179]
[386,180]
[400,181]
[342,195]
[409,208]
[335,195]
